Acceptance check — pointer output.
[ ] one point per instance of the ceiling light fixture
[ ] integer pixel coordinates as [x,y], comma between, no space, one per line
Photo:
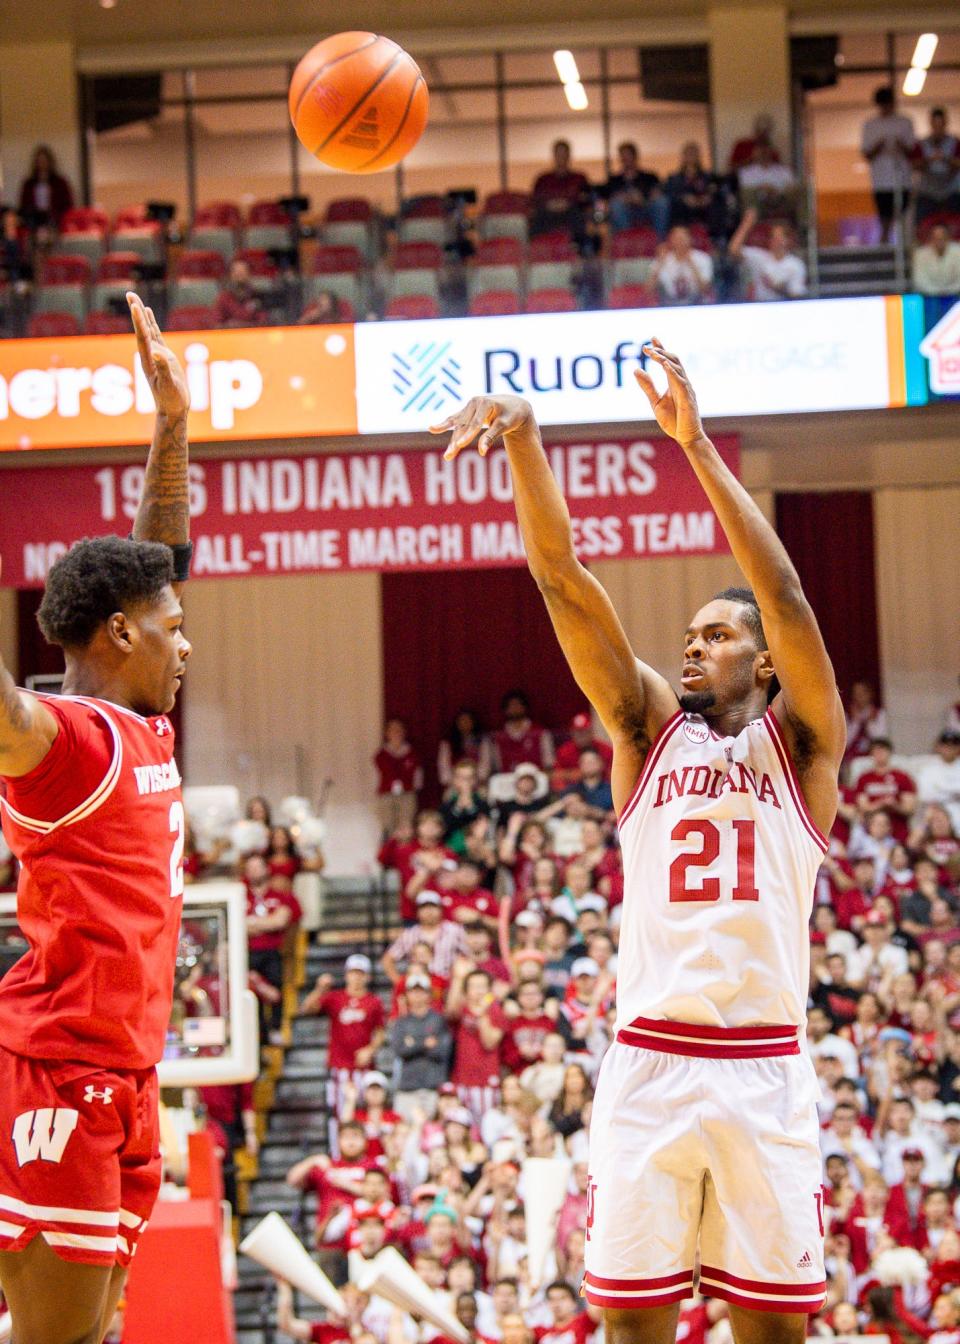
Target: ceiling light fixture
[576,96]
[923,51]
[914,80]
[566,64]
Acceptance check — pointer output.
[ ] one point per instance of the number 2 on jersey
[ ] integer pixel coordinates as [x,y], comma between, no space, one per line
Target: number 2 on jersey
[740,833]
[178,828]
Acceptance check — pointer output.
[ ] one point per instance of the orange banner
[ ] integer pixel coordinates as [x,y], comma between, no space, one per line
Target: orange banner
[263,383]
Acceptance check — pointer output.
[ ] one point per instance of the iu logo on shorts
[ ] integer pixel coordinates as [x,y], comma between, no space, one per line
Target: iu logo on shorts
[591,1197]
[43,1133]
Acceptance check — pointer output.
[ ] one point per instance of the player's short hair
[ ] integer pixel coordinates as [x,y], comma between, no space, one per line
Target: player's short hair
[98,577]
[754,623]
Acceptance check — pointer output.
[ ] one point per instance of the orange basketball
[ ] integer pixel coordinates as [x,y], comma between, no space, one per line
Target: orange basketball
[358,102]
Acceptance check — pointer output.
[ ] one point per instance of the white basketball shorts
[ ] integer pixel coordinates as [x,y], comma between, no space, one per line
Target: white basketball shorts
[709,1156]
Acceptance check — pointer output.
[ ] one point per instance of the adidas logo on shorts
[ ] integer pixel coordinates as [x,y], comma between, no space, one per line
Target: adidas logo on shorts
[805,1261]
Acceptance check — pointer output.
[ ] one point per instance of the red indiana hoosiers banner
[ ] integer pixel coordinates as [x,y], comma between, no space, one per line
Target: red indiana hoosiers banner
[370,510]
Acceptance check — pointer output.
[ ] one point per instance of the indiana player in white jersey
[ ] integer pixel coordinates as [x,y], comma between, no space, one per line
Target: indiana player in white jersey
[704,1153]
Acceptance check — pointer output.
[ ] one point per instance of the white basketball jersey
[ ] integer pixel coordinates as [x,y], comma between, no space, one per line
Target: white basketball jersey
[720,856]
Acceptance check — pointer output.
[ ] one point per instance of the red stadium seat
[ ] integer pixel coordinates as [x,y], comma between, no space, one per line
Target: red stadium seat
[351,209]
[552,247]
[217,215]
[259,260]
[268,212]
[85,219]
[107,324]
[66,271]
[631,296]
[413,307]
[700,237]
[495,303]
[119,266]
[191,318]
[197,264]
[53,324]
[418,257]
[507,203]
[499,252]
[759,235]
[552,300]
[131,217]
[640,242]
[426,207]
[337,260]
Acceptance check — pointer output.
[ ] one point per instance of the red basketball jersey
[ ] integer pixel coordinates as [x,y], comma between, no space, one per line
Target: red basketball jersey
[98,828]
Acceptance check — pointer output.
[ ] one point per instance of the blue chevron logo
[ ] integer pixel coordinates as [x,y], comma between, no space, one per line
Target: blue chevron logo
[427,376]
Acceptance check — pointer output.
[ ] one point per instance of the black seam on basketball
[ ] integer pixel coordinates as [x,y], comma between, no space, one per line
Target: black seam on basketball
[360,101]
[374,38]
[403,121]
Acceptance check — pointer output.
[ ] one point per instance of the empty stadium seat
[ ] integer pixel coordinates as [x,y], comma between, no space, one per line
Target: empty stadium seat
[119,266]
[110,296]
[205,263]
[71,299]
[83,233]
[416,270]
[107,324]
[191,317]
[266,236]
[351,222]
[267,212]
[66,270]
[193,291]
[131,216]
[639,242]
[145,239]
[700,237]
[215,228]
[336,260]
[631,296]
[552,258]
[495,303]
[413,307]
[496,266]
[338,269]
[423,229]
[218,214]
[506,215]
[53,324]
[552,300]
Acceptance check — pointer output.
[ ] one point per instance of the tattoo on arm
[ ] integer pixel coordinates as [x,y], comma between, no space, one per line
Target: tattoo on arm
[164,512]
[14,715]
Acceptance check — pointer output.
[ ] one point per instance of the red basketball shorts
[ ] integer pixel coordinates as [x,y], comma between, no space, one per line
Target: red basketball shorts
[79,1157]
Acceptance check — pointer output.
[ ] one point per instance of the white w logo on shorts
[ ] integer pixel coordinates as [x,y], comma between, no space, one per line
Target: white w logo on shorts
[43,1133]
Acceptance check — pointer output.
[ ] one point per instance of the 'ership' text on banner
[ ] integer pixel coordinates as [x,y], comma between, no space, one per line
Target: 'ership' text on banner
[366,510]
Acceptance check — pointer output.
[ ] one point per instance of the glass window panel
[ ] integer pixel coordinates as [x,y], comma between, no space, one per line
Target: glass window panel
[242,151]
[521,66]
[538,117]
[144,160]
[443,70]
[863,49]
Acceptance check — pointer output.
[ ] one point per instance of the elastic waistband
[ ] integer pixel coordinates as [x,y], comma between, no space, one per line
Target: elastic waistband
[688,1038]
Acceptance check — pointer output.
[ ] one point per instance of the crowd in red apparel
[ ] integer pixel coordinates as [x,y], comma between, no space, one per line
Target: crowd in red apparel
[504,980]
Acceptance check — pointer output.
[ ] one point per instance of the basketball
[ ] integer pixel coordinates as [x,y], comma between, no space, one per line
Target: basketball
[358,102]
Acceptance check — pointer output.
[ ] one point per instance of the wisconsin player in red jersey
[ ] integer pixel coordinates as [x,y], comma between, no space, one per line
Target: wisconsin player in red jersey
[704,1135]
[91,806]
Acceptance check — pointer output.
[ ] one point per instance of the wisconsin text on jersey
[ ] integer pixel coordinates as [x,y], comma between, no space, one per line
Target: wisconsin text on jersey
[157,778]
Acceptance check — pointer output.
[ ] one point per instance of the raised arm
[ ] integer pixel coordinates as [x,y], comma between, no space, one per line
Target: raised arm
[27,729]
[164,512]
[808,705]
[632,700]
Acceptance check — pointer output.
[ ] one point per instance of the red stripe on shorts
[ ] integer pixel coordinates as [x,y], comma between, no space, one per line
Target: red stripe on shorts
[667,1281]
[685,1038]
[792,1298]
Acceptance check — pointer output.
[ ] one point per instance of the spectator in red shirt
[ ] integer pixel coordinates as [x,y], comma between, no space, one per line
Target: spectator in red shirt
[370,1109]
[570,1326]
[337,1182]
[905,1203]
[463,898]
[46,195]
[478,1022]
[865,720]
[745,148]
[319,1332]
[418,860]
[520,741]
[566,768]
[238,304]
[560,197]
[357,1026]
[883,788]
[528,1027]
[285,860]
[399,778]
[270,913]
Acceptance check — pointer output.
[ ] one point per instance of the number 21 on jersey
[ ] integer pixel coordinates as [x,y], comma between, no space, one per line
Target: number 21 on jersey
[731,841]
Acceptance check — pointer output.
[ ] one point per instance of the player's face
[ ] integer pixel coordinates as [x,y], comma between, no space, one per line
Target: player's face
[160,653]
[721,661]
